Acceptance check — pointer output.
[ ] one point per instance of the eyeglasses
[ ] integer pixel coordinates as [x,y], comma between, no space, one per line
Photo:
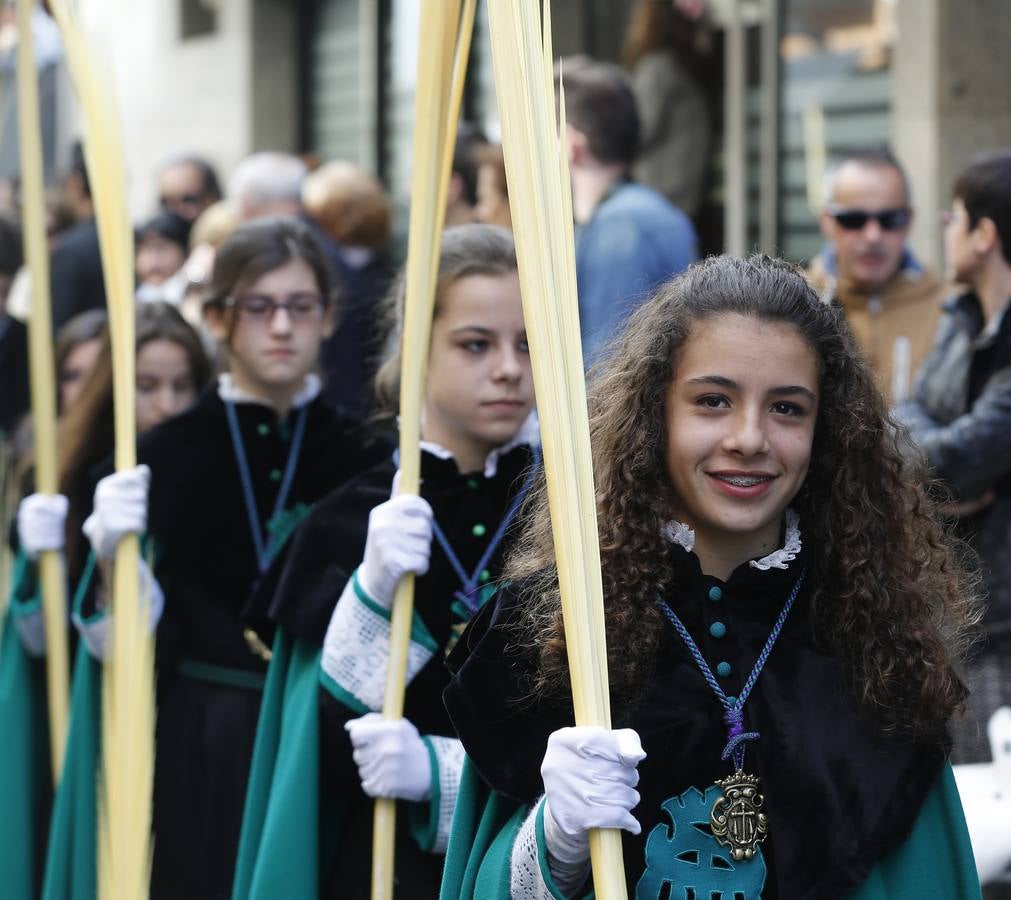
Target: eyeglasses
[261,308]
[168,202]
[856,219]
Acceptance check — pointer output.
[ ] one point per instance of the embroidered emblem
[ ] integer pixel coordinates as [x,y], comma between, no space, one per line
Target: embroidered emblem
[684,860]
[737,819]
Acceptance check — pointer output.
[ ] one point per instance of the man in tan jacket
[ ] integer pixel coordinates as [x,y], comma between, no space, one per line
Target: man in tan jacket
[892,303]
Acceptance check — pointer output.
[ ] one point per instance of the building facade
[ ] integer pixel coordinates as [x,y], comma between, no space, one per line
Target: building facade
[797,84]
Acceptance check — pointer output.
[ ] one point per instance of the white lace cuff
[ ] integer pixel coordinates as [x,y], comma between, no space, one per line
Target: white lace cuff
[532,871]
[30,625]
[96,629]
[446,756]
[356,650]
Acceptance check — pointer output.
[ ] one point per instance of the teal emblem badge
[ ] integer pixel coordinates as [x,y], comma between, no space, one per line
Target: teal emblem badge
[685,862]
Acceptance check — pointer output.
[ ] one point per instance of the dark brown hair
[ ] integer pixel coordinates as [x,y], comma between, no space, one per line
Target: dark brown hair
[599,103]
[86,434]
[985,189]
[261,246]
[889,598]
[655,25]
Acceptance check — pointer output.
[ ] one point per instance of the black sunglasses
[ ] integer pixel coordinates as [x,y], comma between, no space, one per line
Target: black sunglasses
[855,219]
[181,199]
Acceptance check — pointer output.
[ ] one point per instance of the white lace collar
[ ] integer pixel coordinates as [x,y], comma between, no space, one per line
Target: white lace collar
[529,433]
[228,392]
[683,535]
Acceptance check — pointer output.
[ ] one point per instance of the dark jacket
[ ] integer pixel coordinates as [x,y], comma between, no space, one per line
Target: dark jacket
[13,374]
[839,795]
[75,274]
[207,567]
[960,417]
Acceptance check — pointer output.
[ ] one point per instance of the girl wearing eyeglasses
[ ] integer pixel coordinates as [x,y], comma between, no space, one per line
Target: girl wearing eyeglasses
[229,481]
[308,825]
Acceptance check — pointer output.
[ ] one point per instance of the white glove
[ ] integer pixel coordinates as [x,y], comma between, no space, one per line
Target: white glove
[42,520]
[589,778]
[399,541]
[120,509]
[392,758]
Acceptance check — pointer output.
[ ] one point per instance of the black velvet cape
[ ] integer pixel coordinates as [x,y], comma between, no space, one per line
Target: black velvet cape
[207,568]
[838,794]
[324,553]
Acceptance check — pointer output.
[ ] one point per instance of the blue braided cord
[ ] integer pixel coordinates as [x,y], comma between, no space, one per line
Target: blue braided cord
[735,711]
[289,475]
[469,583]
[263,553]
[734,747]
[454,560]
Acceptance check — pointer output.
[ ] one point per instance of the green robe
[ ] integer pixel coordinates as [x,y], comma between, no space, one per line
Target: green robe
[25,777]
[289,827]
[71,858]
[279,849]
[935,861]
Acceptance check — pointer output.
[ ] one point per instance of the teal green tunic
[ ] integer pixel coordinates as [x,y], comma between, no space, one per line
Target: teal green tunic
[935,861]
[25,778]
[71,858]
[282,801]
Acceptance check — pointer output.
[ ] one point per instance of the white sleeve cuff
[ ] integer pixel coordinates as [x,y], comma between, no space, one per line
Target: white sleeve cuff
[356,650]
[96,629]
[447,757]
[31,628]
[534,874]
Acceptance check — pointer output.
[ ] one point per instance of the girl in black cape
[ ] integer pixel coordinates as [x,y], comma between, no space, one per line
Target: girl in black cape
[308,827]
[784,618]
[229,480]
[171,367]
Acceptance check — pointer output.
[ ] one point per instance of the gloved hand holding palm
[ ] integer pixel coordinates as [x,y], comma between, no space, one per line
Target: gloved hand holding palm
[391,757]
[399,541]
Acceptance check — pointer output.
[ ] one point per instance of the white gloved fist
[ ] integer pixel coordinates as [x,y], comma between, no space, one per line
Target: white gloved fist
[120,509]
[392,758]
[42,520]
[399,541]
[589,778]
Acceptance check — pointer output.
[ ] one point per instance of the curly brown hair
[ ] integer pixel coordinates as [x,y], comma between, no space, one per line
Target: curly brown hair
[890,597]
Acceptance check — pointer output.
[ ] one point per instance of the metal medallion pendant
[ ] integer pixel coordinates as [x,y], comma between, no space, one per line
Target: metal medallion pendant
[736,818]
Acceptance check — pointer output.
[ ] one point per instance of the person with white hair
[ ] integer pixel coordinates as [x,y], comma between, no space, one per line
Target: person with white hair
[268,184]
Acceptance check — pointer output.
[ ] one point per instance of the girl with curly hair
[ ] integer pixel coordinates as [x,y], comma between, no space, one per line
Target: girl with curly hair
[785,620]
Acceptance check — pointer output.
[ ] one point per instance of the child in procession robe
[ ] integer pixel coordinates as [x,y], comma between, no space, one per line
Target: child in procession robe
[311,819]
[171,368]
[229,481]
[785,619]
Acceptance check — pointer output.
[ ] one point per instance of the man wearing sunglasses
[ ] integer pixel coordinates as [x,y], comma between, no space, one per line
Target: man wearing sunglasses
[187,185]
[892,302]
